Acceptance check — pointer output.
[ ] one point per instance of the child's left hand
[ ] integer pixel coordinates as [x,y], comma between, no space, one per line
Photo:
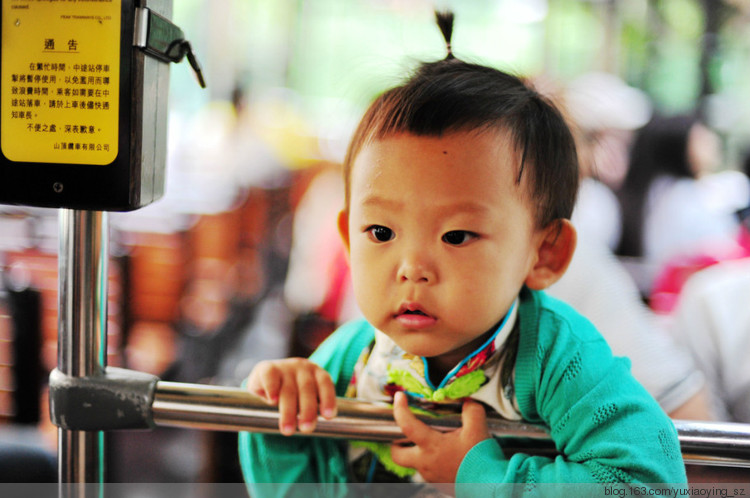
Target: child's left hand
[437,455]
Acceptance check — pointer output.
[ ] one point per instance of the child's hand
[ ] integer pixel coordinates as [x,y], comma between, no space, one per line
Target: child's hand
[437,455]
[299,387]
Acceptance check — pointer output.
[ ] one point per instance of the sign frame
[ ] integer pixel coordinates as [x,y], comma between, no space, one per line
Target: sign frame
[135,177]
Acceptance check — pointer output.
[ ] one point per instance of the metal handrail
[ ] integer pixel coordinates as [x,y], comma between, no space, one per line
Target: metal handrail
[82,329]
[209,407]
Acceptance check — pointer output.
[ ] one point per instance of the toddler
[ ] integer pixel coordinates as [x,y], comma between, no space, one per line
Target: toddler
[459,188]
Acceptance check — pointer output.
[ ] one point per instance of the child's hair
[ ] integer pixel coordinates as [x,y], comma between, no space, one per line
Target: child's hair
[451,95]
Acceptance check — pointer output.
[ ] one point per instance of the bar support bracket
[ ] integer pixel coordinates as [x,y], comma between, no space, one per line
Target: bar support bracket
[119,399]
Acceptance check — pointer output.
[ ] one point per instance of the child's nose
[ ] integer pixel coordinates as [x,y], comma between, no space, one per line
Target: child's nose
[416,271]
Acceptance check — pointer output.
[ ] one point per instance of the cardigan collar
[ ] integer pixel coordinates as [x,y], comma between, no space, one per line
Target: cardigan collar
[386,368]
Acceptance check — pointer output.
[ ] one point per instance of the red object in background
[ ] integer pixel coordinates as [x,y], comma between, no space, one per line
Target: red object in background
[668,284]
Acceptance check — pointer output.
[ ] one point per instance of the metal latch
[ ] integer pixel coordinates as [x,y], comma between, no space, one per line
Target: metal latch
[162,39]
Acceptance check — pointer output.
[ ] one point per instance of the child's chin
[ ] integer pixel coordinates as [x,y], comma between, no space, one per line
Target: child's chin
[426,352]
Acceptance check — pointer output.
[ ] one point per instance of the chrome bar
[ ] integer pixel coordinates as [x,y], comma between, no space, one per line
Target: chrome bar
[714,443]
[82,329]
[232,409]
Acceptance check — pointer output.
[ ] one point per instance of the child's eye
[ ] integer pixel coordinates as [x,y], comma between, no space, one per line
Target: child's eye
[380,233]
[458,237]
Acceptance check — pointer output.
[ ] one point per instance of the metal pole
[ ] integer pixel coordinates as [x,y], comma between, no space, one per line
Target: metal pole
[232,409]
[82,330]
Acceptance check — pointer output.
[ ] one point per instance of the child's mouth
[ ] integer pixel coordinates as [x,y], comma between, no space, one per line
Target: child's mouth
[414,318]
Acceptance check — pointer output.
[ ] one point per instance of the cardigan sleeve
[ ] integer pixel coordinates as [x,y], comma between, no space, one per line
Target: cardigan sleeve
[275,465]
[605,426]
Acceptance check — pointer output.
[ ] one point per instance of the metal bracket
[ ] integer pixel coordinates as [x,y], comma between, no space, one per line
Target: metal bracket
[160,38]
[119,399]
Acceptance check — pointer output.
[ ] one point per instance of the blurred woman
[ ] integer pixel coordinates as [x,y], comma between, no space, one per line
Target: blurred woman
[667,208]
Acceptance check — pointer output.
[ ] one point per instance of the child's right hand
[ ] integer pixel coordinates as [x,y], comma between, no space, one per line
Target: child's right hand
[299,387]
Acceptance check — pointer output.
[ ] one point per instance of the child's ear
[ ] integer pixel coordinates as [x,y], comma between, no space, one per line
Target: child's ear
[343,223]
[554,253]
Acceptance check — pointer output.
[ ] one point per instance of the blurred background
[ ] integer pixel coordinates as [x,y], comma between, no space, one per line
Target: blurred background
[240,261]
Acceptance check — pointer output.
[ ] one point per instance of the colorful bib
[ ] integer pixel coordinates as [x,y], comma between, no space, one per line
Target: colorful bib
[385,368]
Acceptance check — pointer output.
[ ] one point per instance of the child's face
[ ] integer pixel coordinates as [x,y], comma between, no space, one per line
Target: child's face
[441,238]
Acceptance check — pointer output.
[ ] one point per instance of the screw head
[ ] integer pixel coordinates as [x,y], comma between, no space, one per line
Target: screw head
[57,187]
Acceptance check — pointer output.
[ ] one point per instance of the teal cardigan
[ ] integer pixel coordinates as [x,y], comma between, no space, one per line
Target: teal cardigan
[605,426]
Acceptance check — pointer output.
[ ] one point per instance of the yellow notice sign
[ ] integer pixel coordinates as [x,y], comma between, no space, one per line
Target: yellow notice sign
[60,80]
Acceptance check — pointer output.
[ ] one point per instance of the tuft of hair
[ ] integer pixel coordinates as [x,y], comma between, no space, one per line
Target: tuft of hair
[445,23]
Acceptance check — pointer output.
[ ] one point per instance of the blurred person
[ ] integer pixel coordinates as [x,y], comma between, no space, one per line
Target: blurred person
[316,252]
[600,288]
[713,320]
[252,157]
[667,195]
[317,288]
[604,112]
